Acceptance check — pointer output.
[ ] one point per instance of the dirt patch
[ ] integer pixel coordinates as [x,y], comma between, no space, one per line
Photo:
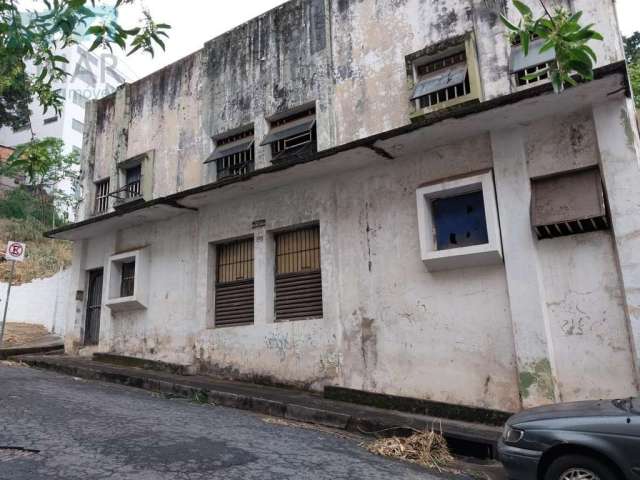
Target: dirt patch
[16,334]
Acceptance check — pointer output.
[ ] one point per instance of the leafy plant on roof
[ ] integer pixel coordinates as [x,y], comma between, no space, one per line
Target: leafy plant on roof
[562,32]
[37,38]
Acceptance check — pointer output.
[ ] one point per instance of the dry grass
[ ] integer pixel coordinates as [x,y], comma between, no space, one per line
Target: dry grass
[16,334]
[428,449]
[45,257]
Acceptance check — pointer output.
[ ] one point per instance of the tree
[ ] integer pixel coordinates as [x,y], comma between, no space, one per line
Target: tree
[562,32]
[45,167]
[632,52]
[37,37]
[632,47]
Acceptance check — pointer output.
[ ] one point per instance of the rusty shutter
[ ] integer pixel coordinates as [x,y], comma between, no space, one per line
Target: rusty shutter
[298,279]
[568,203]
[234,283]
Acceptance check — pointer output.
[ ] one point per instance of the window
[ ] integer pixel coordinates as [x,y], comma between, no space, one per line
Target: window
[77,125]
[292,136]
[79,99]
[128,276]
[234,283]
[298,282]
[234,155]
[458,223]
[49,120]
[443,75]
[531,68]
[442,80]
[568,204]
[133,179]
[102,196]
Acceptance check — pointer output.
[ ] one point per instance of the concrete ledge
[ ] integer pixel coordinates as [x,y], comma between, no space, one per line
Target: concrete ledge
[141,363]
[278,402]
[13,351]
[419,406]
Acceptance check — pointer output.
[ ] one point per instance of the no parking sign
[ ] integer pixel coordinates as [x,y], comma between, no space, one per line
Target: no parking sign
[15,251]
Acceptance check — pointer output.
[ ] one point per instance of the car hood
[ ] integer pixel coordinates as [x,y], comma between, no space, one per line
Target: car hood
[590,408]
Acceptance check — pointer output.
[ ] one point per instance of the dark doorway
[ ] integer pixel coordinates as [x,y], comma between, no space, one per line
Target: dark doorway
[94,302]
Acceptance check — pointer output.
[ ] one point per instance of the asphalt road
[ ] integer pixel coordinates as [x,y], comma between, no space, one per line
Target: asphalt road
[90,430]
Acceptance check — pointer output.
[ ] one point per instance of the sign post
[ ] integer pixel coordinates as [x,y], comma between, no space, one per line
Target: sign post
[15,253]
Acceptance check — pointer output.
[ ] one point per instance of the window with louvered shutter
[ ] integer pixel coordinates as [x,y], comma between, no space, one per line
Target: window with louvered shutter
[234,283]
[298,285]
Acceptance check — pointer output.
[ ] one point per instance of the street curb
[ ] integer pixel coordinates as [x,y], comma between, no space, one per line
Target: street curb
[13,351]
[339,415]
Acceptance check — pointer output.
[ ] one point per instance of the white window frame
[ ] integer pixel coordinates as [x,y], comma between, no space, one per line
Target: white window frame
[139,299]
[470,256]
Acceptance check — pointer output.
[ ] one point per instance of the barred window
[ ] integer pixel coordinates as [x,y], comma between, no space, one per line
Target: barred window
[533,74]
[234,155]
[128,279]
[441,80]
[234,283]
[133,179]
[102,196]
[298,292]
[293,136]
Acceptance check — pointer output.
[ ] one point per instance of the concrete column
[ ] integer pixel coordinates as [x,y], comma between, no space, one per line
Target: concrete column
[263,277]
[617,135]
[534,353]
[75,299]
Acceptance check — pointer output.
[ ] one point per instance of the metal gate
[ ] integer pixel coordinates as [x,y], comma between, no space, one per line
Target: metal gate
[94,303]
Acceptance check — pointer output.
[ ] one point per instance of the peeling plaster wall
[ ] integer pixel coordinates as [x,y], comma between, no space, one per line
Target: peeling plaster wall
[586,312]
[388,326]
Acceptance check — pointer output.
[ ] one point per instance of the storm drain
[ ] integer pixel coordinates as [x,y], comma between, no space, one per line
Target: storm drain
[14,453]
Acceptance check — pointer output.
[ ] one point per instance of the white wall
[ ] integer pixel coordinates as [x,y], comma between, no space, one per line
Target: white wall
[42,301]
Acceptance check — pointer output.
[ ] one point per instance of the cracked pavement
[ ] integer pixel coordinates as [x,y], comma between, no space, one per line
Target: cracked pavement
[92,430]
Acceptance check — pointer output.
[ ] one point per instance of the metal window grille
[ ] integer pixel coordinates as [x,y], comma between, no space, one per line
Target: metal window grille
[531,75]
[306,141]
[239,163]
[127,283]
[298,292]
[234,283]
[102,196]
[446,94]
[133,179]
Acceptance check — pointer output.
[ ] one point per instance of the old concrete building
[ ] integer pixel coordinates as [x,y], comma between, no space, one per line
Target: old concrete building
[367,194]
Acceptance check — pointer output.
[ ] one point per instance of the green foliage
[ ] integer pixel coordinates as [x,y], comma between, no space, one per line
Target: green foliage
[22,204]
[36,38]
[562,32]
[45,166]
[632,47]
[634,78]
[27,230]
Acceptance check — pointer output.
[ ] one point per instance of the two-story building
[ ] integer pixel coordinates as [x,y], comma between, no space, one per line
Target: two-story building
[369,194]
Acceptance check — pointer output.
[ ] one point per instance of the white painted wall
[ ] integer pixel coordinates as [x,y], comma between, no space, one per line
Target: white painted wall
[42,301]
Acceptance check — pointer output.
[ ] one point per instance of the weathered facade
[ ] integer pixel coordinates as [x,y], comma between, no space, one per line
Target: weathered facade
[463,235]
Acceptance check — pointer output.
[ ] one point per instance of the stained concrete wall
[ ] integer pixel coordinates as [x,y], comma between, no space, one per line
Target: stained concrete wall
[42,301]
[346,57]
[499,336]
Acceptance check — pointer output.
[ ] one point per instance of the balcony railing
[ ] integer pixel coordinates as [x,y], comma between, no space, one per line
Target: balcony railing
[130,191]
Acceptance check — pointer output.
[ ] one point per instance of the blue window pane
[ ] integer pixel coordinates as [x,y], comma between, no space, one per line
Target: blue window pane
[460,221]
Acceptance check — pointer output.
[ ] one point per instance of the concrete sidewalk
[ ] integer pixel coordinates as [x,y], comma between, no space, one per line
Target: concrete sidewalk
[290,404]
[47,343]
